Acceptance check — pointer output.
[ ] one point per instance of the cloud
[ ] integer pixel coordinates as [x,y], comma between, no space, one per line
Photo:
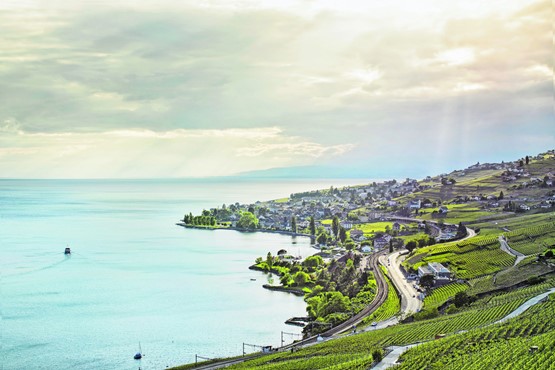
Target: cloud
[148,153]
[287,80]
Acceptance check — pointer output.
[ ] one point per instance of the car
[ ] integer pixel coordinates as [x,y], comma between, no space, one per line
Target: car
[374,324]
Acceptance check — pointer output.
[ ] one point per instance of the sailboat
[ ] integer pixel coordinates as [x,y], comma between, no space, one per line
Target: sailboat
[139,354]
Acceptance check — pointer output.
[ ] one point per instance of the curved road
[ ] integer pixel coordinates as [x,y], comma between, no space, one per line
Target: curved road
[409,295]
[505,248]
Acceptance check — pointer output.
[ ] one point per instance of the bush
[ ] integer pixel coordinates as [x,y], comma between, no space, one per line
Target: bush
[532,280]
[426,314]
[377,355]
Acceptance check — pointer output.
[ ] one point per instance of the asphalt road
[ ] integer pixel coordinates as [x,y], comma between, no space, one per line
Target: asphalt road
[409,295]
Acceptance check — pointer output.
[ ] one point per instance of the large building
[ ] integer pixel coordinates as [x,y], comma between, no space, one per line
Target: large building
[436,269]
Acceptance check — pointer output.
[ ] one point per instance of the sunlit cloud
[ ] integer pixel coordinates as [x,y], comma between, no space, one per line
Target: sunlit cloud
[174,153]
[103,89]
[456,57]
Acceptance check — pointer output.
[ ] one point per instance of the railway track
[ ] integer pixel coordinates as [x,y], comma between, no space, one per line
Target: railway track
[379,299]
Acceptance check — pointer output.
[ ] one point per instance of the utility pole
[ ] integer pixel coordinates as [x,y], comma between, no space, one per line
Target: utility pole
[202,358]
[292,334]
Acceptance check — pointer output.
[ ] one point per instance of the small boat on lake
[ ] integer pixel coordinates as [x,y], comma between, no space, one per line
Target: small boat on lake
[67,250]
[138,355]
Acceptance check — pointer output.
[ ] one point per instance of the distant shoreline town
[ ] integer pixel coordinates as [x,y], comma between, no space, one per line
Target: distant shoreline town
[349,217]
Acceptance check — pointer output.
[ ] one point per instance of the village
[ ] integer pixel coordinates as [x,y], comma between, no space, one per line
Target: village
[392,213]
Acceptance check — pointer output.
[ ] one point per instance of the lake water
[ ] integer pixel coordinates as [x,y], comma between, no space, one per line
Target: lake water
[133,275]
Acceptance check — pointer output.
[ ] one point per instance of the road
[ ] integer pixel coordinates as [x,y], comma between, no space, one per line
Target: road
[409,295]
[507,249]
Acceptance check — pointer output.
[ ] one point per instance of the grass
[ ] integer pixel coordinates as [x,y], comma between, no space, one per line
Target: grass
[281,200]
[373,227]
[458,213]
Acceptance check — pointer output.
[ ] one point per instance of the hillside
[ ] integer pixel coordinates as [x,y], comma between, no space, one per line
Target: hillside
[489,311]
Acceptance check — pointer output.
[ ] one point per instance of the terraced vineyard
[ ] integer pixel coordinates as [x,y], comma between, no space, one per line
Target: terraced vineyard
[468,259]
[532,240]
[332,354]
[502,346]
[442,294]
[388,309]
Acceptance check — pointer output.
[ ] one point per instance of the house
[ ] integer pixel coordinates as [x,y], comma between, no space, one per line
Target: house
[439,271]
[366,249]
[436,269]
[357,234]
[396,226]
[443,210]
[346,225]
[524,207]
[382,242]
[424,270]
[415,204]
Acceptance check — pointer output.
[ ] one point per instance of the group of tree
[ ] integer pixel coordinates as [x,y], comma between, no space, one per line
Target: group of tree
[420,243]
[247,221]
[461,230]
[199,220]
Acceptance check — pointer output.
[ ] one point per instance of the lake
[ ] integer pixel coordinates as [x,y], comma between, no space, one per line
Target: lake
[134,276]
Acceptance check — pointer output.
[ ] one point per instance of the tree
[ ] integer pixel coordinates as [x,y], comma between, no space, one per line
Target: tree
[312,226]
[322,238]
[294,224]
[377,355]
[461,299]
[284,279]
[313,261]
[342,234]
[411,245]
[301,278]
[269,260]
[427,281]
[391,246]
[521,163]
[335,226]
[501,195]
[247,221]
[527,160]
[461,230]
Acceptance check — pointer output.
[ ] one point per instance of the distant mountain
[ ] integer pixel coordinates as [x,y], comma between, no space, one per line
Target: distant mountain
[322,172]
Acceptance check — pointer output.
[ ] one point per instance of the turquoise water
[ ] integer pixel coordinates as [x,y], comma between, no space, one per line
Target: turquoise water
[133,275]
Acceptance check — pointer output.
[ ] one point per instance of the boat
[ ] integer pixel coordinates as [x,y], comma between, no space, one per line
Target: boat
[138,355]
[253,279]
[67,250]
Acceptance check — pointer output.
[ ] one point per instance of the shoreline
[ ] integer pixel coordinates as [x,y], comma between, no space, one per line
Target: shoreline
[267,231]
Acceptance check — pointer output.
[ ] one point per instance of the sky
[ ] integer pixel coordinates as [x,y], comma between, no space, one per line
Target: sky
[182,88]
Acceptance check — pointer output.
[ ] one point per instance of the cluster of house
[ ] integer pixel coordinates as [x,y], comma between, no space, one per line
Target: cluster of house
[327,204]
